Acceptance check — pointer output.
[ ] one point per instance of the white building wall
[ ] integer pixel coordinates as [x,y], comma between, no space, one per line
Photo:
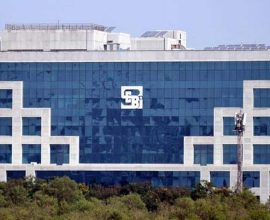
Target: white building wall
[120,38]
[90,40]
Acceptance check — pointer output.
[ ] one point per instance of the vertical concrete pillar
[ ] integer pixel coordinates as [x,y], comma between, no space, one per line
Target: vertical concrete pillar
[3,175]
[233,178]
[16,137]
[205,174]
[264,185]
[30,171]
[218,153]
[74,150]
[45,153]
[188,151]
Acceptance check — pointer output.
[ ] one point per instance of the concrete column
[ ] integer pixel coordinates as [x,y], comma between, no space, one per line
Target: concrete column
[247,154]
[218,154]
[74,150]
[16,137]
[248,96]
[45,153]
[30,171]
[3,175]
[205,174]
[264,185]
[233,178]
[188,151]
[218,122]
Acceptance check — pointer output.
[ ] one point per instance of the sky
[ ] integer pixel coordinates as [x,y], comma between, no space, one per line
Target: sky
[207,22]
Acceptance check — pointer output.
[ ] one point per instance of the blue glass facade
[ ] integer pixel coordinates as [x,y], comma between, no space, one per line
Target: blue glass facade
[5,153]
[15,174]
[261,126]
[5,98]
[31,126]
[261,154]
[6,126]
[261,98]
[156,178]
[203,154]
[229,153]
[228,126]
[179,98]
[251,179]
[59,153]
[220,178]
[31,153]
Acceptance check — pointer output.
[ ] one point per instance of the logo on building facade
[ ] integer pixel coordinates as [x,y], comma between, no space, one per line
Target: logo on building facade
[132,97]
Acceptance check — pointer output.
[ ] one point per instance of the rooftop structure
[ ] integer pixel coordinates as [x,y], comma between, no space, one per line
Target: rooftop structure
[58,26]
[84,37]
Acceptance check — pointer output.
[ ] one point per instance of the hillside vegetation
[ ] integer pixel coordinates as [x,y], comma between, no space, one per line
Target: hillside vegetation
[63,199]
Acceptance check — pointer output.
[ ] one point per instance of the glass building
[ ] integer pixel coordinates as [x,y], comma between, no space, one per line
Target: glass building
[171,125]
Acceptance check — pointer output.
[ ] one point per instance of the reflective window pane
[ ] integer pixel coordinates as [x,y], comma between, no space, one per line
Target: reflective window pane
[220,178]
[203,154]
[31,153]
[5,153]
[32,126]
[229,153]
[59,153]
[5,126]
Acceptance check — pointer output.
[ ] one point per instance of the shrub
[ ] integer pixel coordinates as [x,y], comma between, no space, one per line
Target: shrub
[64,189]
[15,193]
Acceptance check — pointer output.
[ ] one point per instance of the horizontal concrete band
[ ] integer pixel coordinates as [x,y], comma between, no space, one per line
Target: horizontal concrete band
[132,167]
[134,56]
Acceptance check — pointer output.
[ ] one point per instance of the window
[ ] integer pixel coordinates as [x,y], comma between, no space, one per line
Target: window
[228,126]
[261,154]
[5,126]
[229,153]
[5,98]
[220,178]
[261,98]
[32,126]
[251,179]
[156,178]
[15,174]
[203,154]
[31,153]
[59,153]
[5,153]
[261,126]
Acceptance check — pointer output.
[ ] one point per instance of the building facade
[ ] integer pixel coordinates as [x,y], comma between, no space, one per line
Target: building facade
[164,117]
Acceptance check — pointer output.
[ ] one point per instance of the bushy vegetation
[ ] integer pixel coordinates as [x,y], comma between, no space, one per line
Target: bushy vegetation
[62,198]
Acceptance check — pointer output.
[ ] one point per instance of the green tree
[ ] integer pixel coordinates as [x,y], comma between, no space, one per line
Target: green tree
[64,189]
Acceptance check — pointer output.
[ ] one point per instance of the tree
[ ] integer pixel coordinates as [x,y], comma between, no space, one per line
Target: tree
[64,189]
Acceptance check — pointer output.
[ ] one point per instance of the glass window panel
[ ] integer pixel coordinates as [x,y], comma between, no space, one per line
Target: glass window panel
[5,98]
[229,153]
[59,154]
[32,126]
[6,126]
[203,154]
[31,153]
[5,153]
[220,178]
[251,179]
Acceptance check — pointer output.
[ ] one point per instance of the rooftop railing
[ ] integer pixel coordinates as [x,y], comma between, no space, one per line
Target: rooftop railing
[58,26]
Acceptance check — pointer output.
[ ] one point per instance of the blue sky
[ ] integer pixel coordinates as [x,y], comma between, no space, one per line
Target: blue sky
[207,22]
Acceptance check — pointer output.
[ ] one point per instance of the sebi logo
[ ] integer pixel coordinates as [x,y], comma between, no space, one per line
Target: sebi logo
[132,97]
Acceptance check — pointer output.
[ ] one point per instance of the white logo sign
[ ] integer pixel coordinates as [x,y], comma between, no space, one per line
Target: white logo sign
[132,97]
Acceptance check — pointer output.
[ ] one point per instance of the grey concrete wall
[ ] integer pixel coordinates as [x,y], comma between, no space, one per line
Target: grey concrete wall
[135,56]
